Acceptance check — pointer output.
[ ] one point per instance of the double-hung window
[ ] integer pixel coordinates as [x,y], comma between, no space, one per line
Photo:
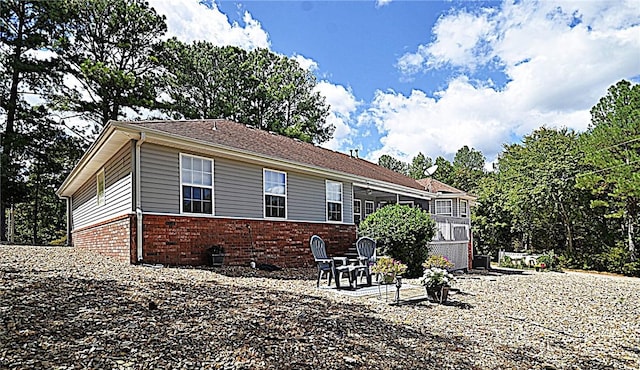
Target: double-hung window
[100,187]
[275,194]
[369,208]
[463,208]
[196,177]
[357,211]
[443,207]
[334,201]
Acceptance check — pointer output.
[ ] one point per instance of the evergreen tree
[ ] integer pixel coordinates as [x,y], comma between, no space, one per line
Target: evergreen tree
[109,52]
[612,148]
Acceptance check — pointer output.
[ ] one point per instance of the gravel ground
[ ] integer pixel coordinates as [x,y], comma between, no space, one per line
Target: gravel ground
[62,308]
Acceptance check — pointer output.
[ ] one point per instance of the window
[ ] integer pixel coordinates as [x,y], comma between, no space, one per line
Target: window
[463,208]
[100,187]
[196,178]
[334,201]
[443,207]
[357,211]
[275,194]
[369,208]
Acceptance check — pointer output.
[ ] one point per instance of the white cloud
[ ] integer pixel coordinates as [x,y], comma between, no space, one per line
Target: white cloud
[459,41]
[558,60]
[343,105]
[188,20]
[381,3]
[306,63]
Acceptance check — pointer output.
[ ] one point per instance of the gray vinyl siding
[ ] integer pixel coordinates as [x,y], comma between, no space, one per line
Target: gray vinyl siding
[117,193]
[159,179]
[237,189]
[306,198]
[308,202]
[347,202]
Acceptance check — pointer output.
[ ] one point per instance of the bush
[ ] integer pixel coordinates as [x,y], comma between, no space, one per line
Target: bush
[401,232]
[550,260]
[506,262]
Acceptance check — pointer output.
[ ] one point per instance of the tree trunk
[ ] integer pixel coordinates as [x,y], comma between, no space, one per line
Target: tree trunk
[36,210]
[12,107]
[630,235]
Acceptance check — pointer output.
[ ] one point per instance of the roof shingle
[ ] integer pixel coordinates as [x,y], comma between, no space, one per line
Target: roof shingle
[263,143]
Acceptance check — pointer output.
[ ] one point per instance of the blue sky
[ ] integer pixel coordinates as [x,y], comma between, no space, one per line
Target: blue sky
[404,77]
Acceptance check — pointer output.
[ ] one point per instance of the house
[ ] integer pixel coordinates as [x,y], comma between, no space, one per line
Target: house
[452,213]
[167,191]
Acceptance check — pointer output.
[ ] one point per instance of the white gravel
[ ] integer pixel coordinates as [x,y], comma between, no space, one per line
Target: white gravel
[64,308]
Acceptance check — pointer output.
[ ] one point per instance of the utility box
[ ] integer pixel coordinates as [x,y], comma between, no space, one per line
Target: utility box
[481,262]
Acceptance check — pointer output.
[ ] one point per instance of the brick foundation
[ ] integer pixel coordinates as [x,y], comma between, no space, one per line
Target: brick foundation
[183,240]
[114,238]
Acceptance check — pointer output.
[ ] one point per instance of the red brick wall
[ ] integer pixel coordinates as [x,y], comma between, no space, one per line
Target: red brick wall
[183,240]
[112,238]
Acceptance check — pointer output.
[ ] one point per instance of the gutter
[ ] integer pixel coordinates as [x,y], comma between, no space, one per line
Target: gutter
[139,143]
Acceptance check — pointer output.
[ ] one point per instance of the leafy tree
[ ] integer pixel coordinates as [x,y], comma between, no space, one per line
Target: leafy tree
[419,165]
[445,171]
[108,49]
[468,169]
[539,180]
[393,164]
[50,156]
[259,88]
[401,232]
[612,148]
[25,28]
[491,219]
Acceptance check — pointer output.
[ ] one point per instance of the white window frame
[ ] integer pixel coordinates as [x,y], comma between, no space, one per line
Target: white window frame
[437,211]
[359,214]
[265,193]
[192,184]
[373,207]
[328,201]
[101,196]
[409,203]
[463,208]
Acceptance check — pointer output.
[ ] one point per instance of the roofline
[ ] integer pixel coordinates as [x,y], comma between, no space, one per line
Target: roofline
[107,133]
[169,139]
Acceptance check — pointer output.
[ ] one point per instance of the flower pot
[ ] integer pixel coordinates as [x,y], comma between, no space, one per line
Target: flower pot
[438,295]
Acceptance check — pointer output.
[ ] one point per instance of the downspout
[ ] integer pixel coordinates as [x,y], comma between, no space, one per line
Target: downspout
[138,202]
[69,220]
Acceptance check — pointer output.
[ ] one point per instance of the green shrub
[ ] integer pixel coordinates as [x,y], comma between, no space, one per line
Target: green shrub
[631,269]
[550,260]
[506,262]
[612,260]
[401,232]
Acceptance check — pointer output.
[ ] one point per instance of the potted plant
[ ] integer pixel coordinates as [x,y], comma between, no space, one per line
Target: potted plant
[389,268]
[437,260]
[437,282]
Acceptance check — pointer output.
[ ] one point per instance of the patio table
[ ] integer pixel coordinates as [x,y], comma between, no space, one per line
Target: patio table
[352,267]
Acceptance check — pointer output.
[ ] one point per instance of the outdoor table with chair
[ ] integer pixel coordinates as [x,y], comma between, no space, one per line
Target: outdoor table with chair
[336,267]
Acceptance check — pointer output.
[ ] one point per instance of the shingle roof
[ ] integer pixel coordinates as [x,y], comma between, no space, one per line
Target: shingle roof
[259,142]
[436,186]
